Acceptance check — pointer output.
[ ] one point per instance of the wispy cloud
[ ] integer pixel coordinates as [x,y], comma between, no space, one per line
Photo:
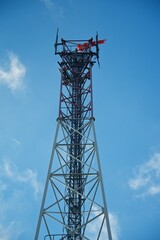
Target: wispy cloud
[146,180]
[17,188]
[16,146]
[56,7]
[27,176]
[115,228]
[114,224]
[13,75]
[48,3]
[16,142]
[10,232]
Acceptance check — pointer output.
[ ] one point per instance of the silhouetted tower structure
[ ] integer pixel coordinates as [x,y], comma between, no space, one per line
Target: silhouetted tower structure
[74,205]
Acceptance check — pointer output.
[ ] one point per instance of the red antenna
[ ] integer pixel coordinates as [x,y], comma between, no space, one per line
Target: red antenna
[86,45]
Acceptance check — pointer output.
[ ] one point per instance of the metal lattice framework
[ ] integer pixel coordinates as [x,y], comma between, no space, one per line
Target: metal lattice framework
[74,205]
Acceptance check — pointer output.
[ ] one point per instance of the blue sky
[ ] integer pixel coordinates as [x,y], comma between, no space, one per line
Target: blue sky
[126,108]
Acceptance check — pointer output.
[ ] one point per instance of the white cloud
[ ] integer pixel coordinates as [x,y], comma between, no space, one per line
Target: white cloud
[114,224]
[27,176]
[16,189]
[13,77]
[138,182]
[16,142]
[16,147]
[115,229]
[11,232]
[56,7]
[48,3]
[147,177]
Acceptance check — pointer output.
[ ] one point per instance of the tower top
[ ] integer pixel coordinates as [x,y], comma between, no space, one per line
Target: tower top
[80,47]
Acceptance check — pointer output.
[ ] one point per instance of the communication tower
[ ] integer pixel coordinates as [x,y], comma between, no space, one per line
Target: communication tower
[73,204]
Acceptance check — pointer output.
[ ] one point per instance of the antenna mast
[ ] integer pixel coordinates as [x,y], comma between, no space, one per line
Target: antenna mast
[74,201]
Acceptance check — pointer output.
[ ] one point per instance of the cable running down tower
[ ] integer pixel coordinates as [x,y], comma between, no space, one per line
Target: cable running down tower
[73,204]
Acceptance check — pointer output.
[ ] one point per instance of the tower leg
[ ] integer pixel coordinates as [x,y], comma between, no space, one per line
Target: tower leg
[102,186]
[46,186]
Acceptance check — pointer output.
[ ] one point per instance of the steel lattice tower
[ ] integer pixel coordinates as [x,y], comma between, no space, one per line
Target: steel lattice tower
[74,205]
